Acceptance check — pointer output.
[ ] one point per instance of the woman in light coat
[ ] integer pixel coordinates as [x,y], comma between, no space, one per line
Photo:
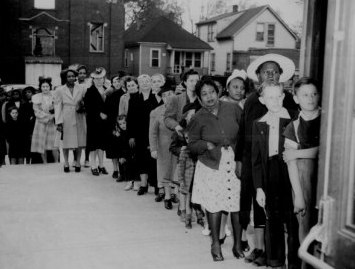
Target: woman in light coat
[70,117]
[159,143]
[44,133]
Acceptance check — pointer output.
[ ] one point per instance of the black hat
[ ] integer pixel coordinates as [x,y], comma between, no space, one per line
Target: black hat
[168,86]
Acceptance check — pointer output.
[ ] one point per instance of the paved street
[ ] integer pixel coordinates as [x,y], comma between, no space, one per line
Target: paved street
[51,220]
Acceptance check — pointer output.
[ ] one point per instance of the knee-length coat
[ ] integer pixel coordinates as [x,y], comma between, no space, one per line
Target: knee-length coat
[44,133]
[160,140]
[97,130]
[74,122]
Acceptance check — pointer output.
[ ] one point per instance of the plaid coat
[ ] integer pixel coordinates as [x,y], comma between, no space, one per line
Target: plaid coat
[186,170]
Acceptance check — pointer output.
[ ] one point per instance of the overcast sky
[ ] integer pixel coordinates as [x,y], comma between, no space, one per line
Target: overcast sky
[289,10]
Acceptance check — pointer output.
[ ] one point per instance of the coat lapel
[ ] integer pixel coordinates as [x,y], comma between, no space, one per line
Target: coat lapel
[263,132]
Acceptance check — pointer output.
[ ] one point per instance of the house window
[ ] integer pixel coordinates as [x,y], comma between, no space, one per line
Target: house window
[43,42]
[44,4]
[197,59]
[260,32]
[210,33]
[126,58]
[96,37]
[270,35]
[154,57]
[213,62]
[188,59]
[228,62]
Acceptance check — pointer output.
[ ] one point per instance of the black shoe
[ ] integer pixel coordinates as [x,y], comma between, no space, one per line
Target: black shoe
[174,198]
[201,222]
[167,204]
[142,190]
[95,172]
[238,253]
[159,197]
[221,240]
[77,169]
[115,174]
[217,254]
[103,170]
[245,246]
[261,260]
[188,224]
[66,169]
[120,178]
[178,212]
[256,253]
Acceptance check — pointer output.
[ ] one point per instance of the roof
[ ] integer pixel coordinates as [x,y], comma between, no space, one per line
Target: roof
[163,30]
[245,17]
[218,17]
[240,22]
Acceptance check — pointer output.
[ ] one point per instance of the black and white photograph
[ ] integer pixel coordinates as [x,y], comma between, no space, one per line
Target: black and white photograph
[177,134]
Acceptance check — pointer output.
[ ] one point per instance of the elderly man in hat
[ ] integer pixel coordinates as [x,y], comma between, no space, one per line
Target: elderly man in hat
[267,68]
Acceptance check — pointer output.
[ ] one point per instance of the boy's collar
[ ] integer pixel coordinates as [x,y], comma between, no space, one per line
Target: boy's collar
[310,117]
[269,116]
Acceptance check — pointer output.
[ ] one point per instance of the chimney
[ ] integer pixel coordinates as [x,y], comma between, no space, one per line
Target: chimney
[235,8]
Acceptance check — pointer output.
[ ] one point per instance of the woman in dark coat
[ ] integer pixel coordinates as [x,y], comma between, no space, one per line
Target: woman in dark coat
[96,118]
[113,96]
[138,117]
[2,130]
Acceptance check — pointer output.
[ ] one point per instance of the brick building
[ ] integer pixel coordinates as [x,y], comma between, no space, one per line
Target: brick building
[42,37]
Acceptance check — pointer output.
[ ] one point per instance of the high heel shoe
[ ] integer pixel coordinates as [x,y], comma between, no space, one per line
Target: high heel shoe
[245,246]
[142,190]
[221,240]
[238,253]
[95,172]
[217,255]
[103,170]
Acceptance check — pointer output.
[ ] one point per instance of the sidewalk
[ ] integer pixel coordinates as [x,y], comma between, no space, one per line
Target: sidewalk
[50,220]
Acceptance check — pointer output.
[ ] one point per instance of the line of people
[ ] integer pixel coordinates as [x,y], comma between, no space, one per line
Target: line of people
[226,155]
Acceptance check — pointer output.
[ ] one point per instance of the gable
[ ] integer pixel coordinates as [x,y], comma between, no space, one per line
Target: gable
[163,30]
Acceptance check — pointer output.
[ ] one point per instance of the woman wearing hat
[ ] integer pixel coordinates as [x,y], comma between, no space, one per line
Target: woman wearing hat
[70,118]
[159,141]
[44,133]
[237,86]
[29,119]
[96,117]
[267,68]
[112,107]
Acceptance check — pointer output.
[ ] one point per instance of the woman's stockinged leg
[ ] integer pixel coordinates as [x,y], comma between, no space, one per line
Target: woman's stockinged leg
[78,156]
[66,157]
[100,154]
[214,222]
[93,155]
[237,235]
[55,153]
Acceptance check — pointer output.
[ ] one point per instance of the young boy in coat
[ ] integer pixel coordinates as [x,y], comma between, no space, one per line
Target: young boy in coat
[271,181]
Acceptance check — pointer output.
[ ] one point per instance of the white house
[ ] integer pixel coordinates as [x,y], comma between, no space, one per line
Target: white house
[233,36]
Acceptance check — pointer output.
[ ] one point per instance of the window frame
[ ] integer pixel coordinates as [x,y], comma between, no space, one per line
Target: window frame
[92,25]
[46,6]
[258,36]
[197,60]
[213,62]
[210,32]
[34,36]
[151,57]
[228,62]
[273,36]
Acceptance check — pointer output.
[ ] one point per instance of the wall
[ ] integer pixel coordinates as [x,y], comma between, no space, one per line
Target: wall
[145,59]
[246,38]
[72,43]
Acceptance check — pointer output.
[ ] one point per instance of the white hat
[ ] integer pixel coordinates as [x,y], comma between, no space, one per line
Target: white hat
[237,74]
[99,72]
[286,64]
